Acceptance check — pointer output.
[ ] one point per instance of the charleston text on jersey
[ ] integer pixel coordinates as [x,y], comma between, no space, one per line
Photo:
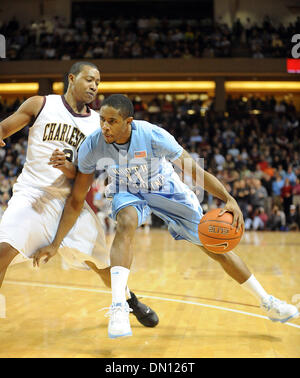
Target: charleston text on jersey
[63,133]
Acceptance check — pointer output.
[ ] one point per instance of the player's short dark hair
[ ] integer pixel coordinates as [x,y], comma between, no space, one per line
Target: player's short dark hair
[77,67]
[121,103]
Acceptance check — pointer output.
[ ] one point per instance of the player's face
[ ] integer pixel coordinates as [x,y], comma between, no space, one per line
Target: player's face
[114,127]
[85,84]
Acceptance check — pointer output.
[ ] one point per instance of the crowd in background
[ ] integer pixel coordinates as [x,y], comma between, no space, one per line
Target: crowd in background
[253,149]
[126,38]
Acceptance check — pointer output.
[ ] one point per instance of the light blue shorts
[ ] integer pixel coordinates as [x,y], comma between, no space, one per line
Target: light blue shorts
[180,211]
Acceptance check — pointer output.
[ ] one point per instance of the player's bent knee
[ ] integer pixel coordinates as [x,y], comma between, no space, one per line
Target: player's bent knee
[7,254]
[127,219]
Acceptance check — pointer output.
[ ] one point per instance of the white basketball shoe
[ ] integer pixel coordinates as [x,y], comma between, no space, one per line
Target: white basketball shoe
[279,311]
[119,325]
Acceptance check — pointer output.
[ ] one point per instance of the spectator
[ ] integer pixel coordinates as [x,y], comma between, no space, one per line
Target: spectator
[293,220]
[258,194]
[276,188]
[248,217]
[219,159]
[291,175]
[260,219]
[275,221]
[242,194]
[287,196]
[296,192]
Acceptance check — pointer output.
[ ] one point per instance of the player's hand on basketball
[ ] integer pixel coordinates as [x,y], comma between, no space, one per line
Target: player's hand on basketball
[45,254]
[58,159]
[233,208]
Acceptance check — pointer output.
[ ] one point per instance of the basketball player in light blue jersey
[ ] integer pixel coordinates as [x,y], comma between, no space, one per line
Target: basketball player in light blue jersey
[137,157]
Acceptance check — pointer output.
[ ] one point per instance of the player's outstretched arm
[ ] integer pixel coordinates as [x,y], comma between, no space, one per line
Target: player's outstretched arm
[29,109]
[69,216]
[212,185]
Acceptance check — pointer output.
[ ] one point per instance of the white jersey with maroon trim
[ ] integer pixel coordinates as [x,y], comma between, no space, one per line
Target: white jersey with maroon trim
[56,126]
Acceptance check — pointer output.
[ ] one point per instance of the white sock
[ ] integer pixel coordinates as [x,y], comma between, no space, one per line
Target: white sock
[119,276]
[255,288]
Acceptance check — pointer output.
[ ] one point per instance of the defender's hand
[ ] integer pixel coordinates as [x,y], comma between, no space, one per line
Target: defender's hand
[58,159]
[48,252]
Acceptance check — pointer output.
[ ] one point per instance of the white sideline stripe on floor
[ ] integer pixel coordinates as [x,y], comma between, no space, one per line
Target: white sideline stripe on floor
[74,288]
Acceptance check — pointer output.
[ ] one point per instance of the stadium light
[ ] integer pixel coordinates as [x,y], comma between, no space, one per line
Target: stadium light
[19,88]
[262,86]
[148,86]
[161,87]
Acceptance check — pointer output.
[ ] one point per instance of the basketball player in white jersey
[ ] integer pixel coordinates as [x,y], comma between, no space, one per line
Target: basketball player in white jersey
[60,125]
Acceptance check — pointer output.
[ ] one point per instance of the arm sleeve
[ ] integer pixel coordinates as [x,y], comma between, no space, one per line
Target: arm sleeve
[165,145]
[86,161]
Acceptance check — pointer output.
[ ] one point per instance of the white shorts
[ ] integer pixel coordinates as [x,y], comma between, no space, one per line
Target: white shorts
[31,220]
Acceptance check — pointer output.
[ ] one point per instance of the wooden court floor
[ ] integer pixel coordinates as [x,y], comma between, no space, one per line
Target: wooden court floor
[52,312]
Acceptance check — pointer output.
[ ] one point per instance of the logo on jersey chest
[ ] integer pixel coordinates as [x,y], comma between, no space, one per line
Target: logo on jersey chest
[63,132]
[137,177]
[140,154]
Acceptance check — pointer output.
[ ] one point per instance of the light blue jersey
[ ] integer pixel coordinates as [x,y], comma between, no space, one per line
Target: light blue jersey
[141,175]
[142,167]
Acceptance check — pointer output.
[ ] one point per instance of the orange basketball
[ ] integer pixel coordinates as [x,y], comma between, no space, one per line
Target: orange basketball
[217,234]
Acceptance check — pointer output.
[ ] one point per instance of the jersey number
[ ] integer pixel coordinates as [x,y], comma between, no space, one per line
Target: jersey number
[69,154]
